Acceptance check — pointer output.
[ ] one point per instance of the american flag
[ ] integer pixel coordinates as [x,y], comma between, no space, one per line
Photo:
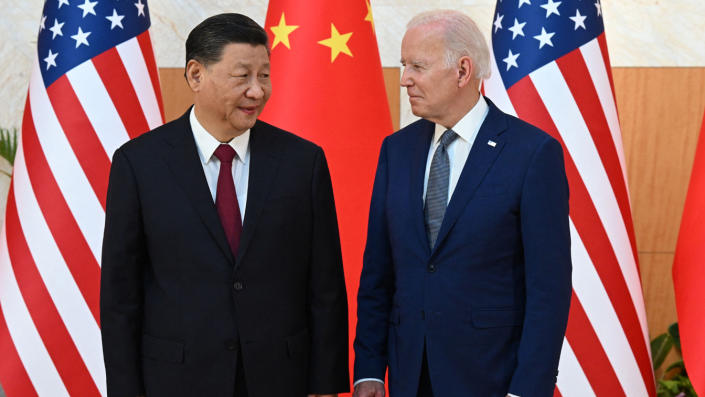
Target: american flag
[93,86]
[551,68]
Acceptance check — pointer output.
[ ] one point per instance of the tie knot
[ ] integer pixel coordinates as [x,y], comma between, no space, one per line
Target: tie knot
[448,137]
[225,153]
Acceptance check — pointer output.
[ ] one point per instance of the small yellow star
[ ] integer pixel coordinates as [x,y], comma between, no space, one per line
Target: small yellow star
[281,32]
[337,42]
[368,18]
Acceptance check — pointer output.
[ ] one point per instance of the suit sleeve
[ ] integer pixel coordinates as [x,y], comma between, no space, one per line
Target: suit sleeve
[328,305]
[374,298]
[121,293]
[546,240]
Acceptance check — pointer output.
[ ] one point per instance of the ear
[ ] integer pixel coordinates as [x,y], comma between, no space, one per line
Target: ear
[466,70]
[195,72]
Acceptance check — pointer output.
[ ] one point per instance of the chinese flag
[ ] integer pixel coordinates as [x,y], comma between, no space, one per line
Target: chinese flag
[327,87]
[689,272]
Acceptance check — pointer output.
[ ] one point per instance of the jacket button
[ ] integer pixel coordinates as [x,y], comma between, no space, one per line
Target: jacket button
[238,286]
[431,268]
[231,345]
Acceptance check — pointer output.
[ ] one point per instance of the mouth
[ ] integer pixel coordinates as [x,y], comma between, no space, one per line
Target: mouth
[248,110]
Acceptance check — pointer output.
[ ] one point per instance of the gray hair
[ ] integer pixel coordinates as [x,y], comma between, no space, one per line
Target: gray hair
[462,38]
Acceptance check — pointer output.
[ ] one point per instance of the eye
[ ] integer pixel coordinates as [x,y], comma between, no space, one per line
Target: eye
[264,75]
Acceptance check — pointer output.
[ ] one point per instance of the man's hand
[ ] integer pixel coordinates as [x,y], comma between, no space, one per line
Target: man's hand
[369,388]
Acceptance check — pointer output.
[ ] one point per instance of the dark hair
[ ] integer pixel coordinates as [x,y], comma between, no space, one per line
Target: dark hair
[206,41]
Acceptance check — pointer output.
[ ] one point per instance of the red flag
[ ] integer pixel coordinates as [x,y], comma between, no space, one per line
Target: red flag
[93,86]
[689,272]
[551,68]
[328,87]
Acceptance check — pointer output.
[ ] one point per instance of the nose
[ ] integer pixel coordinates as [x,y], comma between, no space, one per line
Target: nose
[255,91]
[405,80]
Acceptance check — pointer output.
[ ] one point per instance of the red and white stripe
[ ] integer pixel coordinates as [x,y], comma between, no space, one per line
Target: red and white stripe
[50,245]
[606,348]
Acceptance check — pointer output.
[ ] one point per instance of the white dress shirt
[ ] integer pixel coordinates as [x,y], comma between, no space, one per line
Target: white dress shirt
[458,150]
[206,144]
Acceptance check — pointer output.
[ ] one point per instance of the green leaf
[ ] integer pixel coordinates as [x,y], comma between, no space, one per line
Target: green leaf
[660,347]
[8,144]
[670,385]
[675,334]
[678,364]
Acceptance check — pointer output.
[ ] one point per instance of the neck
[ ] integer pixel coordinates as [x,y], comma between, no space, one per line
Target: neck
[463,105]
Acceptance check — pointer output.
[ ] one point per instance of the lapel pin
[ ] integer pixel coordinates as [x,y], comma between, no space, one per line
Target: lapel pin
[492,143]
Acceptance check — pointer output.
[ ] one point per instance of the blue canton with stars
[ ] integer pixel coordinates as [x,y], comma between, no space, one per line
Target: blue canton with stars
[527,34]
[74,31]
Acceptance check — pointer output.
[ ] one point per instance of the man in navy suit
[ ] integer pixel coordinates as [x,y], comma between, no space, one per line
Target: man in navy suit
[466,280]
[222,273]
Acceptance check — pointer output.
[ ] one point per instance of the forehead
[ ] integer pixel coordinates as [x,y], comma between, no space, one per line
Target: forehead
[244,54]
[423,42]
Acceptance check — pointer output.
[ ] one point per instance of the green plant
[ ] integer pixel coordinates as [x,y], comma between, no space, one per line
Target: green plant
[674,382]
[8,144]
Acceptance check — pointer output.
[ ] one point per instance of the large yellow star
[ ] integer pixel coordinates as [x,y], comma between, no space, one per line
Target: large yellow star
[368,17]
[281,32]
[337,42]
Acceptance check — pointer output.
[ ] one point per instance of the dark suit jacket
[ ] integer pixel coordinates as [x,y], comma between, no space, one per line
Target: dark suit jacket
[490,300]
[176,306]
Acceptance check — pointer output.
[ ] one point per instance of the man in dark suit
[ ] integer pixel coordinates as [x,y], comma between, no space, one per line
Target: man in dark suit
[222,273]
[466,281]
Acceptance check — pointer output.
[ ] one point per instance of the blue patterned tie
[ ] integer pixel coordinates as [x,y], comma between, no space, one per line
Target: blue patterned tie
[437,188]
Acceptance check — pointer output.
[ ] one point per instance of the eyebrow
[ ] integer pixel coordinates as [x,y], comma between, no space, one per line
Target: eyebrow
[249,65]
[414,62]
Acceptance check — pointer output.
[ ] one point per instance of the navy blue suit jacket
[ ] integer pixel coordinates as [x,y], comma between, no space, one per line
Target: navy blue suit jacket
[490,301]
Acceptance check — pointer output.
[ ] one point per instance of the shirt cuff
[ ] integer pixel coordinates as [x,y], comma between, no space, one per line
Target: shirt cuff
[357,382]
[511,395]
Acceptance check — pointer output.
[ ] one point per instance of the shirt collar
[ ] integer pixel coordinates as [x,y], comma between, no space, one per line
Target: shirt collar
[207,143]
[469,125]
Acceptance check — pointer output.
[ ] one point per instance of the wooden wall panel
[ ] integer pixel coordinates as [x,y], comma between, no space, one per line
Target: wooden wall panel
[175,92]
[660,112]
[391,83]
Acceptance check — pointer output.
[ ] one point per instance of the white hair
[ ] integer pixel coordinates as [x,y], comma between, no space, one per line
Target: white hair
[462,38]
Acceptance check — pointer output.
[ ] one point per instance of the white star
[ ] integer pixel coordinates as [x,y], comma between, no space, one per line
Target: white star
[579,20]
[56,29]
[599,8]
[517,29]
[88,7]
[140,8]
[62,2]
[544,38]
[498,23]
[522,2]
[551,8]
[81,37]
[41,24]
[115,20]
[51,59]
[511,60]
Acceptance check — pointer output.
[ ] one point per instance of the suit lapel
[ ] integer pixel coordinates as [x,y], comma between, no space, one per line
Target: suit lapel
[263,167]
[422,143]
[482,156]
[185,165]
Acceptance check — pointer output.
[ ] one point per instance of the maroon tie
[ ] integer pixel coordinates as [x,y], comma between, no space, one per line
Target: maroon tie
[226,199]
